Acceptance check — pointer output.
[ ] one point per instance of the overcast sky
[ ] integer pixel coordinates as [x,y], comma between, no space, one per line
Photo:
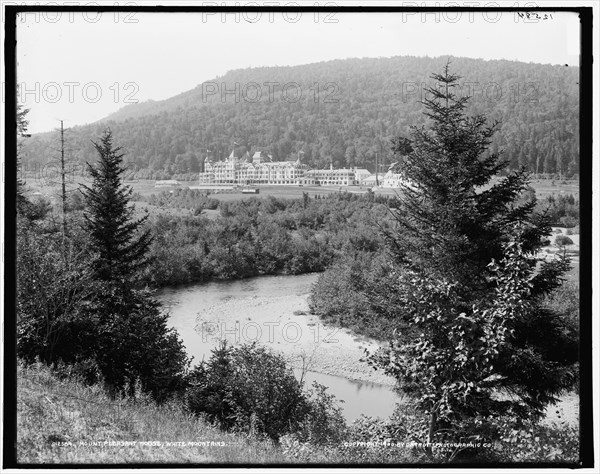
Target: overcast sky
[80,68]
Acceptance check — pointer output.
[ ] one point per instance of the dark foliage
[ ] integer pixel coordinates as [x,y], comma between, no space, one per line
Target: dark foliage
[466,282]
[22,123]
[134,342]
[354,293]
[261,236]
[444,224]
[105,329]
[119,251]
[248,388]
[561,210]
[562,240]
[54,289]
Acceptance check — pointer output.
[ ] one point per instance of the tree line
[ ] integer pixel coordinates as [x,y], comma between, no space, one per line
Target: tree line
[258,236]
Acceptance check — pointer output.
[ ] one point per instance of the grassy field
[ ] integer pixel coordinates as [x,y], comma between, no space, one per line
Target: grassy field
[542,188]
[48,185]
[62,421]
[287,192]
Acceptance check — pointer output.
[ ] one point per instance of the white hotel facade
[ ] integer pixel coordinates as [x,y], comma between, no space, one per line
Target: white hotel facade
[258,169]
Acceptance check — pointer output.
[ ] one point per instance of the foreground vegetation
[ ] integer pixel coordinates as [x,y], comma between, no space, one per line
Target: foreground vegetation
[62,420]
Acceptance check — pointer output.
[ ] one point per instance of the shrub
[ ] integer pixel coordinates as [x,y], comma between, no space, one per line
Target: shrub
[565,301]
[563,240]
[38,209]
[573,230]
[85,371]
[561,211]
[103,331]
[337,294]
[248,388]
[495,439]
[211,204]
[53,289]
[569,221]
[324,423]
[373,440]
[257,236]
[514,440]
[354,293]
[75,201]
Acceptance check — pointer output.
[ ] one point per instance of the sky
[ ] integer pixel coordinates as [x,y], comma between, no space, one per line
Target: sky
[80,67]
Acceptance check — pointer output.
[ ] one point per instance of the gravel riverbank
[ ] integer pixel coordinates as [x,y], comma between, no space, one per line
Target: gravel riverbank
[284,324]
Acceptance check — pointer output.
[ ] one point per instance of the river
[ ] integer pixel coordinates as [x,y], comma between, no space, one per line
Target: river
[271,310]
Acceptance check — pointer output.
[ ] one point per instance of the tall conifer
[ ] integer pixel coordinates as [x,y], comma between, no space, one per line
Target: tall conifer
[134,339]
[121,250]
[474,338]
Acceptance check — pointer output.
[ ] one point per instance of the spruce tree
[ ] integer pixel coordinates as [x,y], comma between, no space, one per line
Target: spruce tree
[451,220]
[121,249]
[134,341]
[474,339]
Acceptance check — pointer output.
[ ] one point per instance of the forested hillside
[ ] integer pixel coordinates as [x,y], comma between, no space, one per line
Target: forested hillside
[341,112]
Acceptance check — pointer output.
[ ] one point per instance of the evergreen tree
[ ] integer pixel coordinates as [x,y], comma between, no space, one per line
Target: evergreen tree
[452,220]
[134,341]
[121,249]
[467,289]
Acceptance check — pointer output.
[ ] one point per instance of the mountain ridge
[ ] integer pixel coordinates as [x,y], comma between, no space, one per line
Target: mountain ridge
[122,114]
[342,113]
